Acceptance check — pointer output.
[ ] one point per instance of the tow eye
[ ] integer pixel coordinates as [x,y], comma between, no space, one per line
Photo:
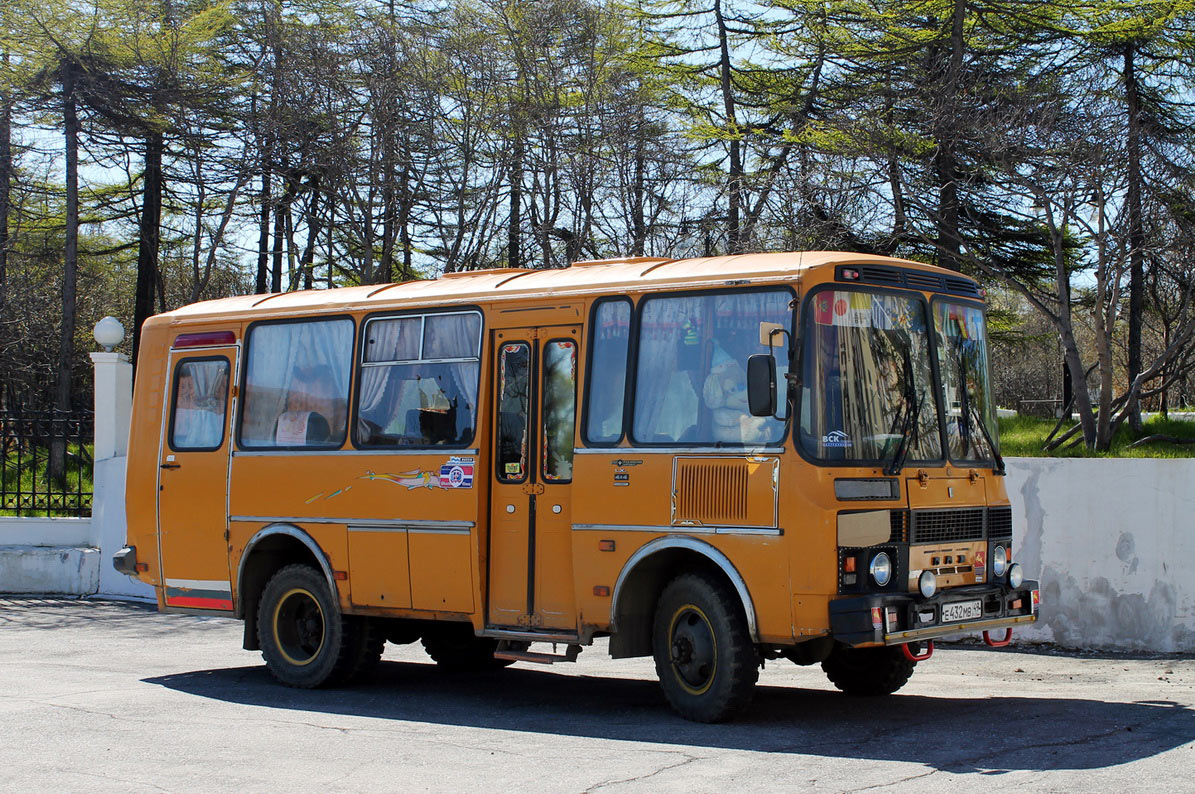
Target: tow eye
[987,639]
[917,657]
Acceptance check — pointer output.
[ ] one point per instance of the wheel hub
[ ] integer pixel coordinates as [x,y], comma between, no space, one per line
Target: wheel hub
[693,649]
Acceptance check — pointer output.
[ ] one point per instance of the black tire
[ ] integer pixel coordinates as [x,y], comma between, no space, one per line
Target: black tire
[367,643]
[868,672]
[456,649]
[304,638]
[705,659]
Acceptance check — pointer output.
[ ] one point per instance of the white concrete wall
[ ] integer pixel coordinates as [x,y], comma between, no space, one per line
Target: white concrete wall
[1113,543]
[109,530]
[48,556]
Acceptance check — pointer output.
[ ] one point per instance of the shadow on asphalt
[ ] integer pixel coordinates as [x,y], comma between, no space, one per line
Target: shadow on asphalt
[990,735]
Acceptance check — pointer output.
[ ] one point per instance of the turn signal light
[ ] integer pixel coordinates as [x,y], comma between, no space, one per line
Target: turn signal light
[142,567]
[848,565]
[605,545]
[601,591]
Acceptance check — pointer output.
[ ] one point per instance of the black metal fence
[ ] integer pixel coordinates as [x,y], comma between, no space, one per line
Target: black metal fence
[35,443]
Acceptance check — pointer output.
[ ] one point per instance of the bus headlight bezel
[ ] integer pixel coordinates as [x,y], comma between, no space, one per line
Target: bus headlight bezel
[999,561]
[881,569]
[1016,576]
[927,583]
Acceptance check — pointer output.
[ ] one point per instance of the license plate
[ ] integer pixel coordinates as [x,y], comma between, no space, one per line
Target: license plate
[962,610]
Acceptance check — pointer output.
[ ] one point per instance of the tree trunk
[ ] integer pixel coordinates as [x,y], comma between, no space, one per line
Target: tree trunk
[6,173]
[313,231]
[946,160]
[66,341]
[1136,230]
[514,255]
[148,239]
[263,233]
[734,182]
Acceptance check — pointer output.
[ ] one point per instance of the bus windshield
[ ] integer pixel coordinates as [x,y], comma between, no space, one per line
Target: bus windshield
[867,380]
[963,362]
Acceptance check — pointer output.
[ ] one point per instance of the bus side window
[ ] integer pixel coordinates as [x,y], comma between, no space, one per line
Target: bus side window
[419,379]
[514,370]
[606,381]
[560,402]
[297,383]
[200,401]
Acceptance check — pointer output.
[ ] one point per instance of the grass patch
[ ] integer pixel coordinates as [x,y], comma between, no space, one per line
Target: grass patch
[1024,436]
[26,490]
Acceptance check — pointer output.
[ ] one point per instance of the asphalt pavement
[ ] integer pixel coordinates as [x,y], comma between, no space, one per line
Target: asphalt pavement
[101,696]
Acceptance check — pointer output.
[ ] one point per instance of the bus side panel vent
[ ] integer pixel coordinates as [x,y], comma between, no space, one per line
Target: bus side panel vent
[720,491]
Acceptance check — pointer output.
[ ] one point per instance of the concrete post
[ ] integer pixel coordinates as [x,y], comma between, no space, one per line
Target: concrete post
[113,415]
[113,404]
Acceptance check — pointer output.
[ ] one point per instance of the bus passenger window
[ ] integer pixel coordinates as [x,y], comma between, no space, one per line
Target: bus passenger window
[560,407]
[691,377]
[200,400]
[513,379]
[608,371]
[297,383]
[419,378]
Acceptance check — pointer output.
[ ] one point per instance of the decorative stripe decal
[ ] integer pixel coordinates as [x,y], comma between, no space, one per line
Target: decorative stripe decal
[199,603]
[199,593]
[220,585]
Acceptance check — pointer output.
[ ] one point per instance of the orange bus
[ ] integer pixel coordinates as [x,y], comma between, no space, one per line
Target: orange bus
[712,461]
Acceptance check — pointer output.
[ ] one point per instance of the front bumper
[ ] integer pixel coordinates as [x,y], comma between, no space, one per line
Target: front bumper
[895,618]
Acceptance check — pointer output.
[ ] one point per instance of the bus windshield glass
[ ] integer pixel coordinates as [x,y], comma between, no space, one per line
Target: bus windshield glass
[963,362]
[867,382]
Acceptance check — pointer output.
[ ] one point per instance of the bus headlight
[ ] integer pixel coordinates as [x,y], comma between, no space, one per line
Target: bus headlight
[1015,575]
[928,584]
[881,569]
[999,561]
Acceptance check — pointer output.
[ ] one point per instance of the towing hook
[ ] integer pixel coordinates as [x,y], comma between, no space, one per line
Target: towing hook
[987,639]
[917,657]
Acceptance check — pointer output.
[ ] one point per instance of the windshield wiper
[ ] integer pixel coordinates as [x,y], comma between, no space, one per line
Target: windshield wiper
[910,411]
[970,411]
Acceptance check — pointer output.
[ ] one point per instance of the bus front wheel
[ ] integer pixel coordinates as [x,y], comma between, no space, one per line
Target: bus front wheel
[868,672]
[705,659]
[305,640]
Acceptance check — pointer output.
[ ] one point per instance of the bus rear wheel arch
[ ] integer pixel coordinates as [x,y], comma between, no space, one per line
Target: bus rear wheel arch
[705,658]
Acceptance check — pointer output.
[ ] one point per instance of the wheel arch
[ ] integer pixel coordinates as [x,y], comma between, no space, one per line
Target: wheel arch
[643,578]
[271,548]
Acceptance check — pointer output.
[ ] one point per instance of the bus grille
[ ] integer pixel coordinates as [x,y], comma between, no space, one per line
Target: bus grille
[711,493]
[1000,523]
[939,526]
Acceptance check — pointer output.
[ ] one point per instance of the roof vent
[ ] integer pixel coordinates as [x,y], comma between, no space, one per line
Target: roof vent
[489,271]
[621,260]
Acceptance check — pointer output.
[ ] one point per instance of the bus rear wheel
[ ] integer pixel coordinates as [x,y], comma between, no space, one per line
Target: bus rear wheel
[868,672]
[305,640]
[705,659]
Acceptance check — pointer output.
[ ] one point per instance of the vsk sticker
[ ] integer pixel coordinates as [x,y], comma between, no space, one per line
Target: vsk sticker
[457,473]
[837,438]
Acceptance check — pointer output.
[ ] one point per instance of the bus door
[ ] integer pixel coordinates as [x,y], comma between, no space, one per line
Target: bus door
[530,555]
[193,478]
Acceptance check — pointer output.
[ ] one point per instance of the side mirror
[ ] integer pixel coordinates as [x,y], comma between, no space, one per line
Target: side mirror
[761,384]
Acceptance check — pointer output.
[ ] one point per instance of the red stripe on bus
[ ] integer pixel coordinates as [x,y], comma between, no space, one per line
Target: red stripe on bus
[200,603]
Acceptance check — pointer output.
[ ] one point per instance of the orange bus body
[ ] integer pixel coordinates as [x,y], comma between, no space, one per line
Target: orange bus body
[449,521]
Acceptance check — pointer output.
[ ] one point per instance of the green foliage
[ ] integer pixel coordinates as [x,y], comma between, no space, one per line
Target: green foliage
[1024,436]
